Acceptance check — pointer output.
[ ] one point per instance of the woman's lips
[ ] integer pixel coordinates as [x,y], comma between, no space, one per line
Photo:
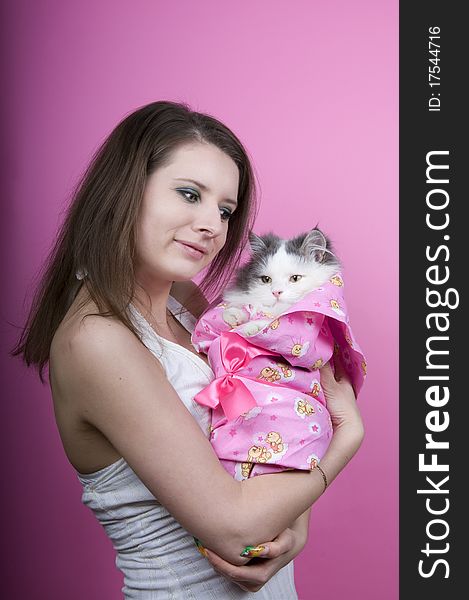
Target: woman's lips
[191,250]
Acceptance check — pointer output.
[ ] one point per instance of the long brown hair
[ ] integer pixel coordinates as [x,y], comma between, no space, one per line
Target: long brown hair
[99,230]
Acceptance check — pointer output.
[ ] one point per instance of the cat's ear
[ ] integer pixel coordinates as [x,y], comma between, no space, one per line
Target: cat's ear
[314,245]
[257,243]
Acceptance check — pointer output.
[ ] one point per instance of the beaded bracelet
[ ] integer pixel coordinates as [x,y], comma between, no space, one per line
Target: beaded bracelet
[323,476]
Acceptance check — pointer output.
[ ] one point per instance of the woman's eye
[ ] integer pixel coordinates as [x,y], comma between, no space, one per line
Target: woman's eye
[295,278]
[187,193]
[225,214]
[266,279]
[192,196]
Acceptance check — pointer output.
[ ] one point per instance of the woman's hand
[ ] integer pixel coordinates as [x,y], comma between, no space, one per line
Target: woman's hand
[255,574]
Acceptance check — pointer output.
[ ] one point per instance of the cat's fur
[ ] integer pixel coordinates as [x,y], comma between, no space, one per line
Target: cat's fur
[309,255]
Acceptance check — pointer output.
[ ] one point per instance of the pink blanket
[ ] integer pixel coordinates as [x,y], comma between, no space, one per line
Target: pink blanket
[269,411]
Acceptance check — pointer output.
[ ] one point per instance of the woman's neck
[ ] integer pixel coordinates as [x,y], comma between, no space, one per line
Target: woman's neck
[152,301]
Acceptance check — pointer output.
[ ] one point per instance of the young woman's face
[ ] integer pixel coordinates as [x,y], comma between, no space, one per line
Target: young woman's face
[184,215]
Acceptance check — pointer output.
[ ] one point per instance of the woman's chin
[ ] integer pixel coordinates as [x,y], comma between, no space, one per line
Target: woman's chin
[184,271]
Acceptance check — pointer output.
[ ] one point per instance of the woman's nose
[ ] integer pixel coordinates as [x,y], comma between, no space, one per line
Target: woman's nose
[209,221]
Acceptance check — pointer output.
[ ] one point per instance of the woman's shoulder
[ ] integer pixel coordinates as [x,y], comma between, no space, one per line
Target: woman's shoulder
[84,335]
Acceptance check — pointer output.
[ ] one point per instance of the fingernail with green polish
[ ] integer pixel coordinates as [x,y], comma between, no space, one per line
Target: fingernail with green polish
[252,551]
[200,548]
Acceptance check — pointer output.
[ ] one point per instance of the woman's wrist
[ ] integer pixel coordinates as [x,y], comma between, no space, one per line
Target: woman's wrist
[345,442]
[349,426]
[351,433]
[301,528]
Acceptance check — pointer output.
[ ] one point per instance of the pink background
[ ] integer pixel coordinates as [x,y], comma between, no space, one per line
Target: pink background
[312,89]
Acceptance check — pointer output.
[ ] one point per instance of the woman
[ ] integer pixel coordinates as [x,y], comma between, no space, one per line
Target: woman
[169,193]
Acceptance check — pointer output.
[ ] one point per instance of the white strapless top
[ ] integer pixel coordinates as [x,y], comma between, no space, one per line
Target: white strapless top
[157,556]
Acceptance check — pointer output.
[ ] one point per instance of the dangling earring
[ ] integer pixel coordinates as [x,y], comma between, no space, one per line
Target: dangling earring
[81,274]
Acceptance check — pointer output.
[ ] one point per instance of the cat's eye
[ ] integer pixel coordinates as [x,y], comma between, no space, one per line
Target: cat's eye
[295,278]
[266,279]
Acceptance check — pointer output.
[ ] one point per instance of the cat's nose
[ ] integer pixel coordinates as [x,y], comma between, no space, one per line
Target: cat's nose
[277,293]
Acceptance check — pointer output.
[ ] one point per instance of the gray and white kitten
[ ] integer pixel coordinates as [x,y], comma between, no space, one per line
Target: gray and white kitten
[278,274]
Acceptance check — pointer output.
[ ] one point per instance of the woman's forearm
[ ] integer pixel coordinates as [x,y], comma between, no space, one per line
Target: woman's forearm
[301,527]
[288,494]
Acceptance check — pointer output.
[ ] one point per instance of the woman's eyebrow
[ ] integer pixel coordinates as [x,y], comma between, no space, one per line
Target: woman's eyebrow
[204,188]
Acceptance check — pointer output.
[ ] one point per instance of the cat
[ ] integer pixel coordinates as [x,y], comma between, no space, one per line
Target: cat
[278,274]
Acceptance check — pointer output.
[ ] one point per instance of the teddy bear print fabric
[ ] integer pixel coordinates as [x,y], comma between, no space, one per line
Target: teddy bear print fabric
[268,409]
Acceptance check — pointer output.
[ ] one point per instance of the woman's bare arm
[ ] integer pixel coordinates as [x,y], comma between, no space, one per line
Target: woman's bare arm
[301,525]
[278,553]
[122,390]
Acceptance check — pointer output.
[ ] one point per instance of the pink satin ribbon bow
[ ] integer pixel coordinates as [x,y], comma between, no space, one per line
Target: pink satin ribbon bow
[227,388]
